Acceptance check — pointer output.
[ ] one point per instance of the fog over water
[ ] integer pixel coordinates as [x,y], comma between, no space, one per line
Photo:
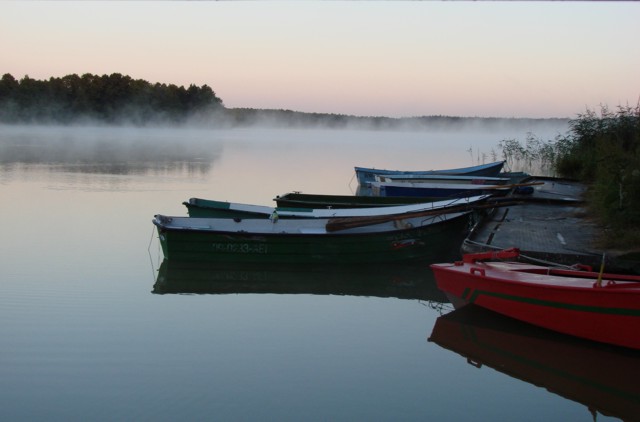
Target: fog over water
[281,158]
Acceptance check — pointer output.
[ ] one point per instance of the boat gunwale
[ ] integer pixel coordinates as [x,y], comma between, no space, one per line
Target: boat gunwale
[452,172]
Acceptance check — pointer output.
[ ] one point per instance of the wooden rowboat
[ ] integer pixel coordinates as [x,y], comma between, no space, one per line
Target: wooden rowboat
[208,208]
[365,175]
[309,200]
[591,305]
[372,240]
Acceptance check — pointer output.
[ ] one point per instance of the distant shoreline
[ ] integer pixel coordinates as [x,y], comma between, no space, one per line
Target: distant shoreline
[250,117]
[287,119]
[246,118]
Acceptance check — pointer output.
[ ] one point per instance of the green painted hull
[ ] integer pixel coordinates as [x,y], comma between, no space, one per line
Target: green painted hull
[415,244]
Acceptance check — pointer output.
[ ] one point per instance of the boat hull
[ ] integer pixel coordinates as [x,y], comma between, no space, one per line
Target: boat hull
[366,175]
[357,246]
[569,305]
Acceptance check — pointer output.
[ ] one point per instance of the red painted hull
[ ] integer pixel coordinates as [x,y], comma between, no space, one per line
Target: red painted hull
[569,302]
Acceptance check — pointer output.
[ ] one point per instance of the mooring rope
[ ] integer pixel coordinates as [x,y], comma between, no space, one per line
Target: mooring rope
[150,240]
[153,266]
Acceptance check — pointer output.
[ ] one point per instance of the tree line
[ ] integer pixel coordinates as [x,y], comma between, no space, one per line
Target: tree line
[107,98]
[119,99]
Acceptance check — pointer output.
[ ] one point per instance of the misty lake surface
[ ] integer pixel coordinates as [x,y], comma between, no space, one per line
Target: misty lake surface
[95,326]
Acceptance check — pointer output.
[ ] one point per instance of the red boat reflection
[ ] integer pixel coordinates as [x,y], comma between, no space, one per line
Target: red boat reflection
[602,377]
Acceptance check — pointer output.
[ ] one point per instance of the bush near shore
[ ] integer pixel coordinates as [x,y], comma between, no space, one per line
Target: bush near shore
[603,151]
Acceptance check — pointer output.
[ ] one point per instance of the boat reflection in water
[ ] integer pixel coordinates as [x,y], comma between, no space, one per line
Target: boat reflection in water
[402,281]
[604,378]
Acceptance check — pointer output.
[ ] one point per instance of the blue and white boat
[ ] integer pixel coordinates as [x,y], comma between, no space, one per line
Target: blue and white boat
[366,175]
[443,178]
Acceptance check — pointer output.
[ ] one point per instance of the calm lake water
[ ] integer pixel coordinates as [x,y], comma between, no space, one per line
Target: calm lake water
[95,326]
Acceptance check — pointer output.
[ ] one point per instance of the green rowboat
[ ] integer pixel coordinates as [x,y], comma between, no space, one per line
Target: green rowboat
[207,208]
[311,240]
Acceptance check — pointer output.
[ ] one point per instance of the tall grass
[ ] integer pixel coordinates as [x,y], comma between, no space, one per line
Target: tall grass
[604,150]
[601,149]
[535,156]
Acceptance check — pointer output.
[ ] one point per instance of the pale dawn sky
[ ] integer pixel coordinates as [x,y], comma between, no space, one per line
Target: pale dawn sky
[397,59]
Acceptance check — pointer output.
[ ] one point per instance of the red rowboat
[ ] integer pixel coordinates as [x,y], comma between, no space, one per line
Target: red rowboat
[583,303]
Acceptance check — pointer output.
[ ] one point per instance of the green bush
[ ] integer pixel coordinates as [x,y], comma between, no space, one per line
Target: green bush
[604,151]
[601,150]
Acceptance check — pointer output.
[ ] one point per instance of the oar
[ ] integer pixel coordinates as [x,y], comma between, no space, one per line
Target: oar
[514,185]
[336,224]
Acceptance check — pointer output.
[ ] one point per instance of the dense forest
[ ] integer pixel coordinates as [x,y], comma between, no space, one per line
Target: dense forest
[108,98]
[118,99]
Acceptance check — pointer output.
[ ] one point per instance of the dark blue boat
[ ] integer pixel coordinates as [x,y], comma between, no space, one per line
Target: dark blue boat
[435,190]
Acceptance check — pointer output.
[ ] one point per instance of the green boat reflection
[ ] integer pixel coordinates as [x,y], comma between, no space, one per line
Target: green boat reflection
[603,378]
[403,282]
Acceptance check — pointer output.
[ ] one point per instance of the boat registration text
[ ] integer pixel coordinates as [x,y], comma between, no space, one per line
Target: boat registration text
[242,248]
